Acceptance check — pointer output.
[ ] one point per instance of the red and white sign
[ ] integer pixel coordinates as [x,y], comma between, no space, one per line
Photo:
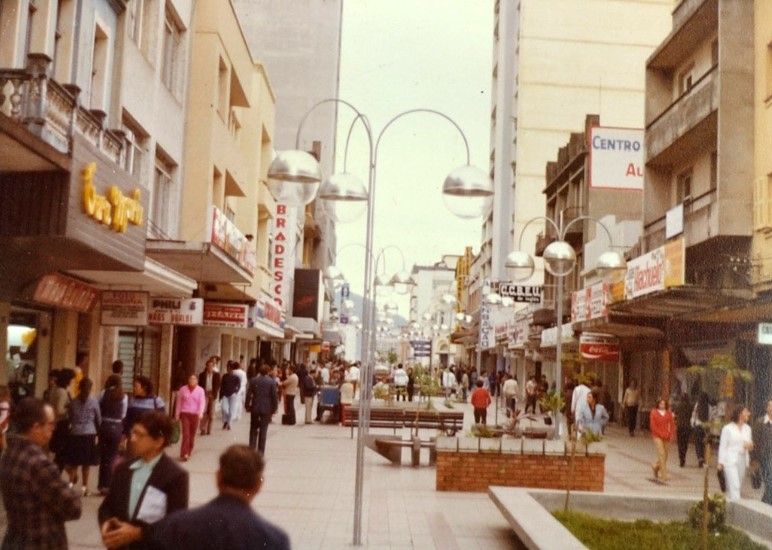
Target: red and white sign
[282,254]
[120,307]
[227,237]
[591,302]
[57,290]
[599,347]
[226,315]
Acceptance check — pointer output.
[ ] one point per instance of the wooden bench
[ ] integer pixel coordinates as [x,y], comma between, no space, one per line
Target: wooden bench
[448,422]
[379,418]
[392,449]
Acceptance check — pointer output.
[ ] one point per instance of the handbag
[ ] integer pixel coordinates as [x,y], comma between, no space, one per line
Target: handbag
[176,431]
[721,480]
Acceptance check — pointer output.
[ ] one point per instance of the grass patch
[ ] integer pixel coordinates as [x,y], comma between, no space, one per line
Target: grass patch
[605,534]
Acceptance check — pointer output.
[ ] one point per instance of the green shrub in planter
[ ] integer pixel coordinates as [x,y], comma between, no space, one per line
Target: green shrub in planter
[716,513]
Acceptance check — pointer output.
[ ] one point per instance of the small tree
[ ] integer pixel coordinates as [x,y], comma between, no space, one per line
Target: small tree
[721,370]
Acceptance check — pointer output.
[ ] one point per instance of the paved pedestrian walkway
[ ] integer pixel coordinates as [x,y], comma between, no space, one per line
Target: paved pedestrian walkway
[309,490]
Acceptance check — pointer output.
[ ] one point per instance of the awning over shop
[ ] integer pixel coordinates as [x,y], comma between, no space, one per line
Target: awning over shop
[199,261]
[157,279]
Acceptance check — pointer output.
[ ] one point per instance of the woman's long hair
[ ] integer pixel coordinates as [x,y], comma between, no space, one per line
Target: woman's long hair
[114,388]
[84,387]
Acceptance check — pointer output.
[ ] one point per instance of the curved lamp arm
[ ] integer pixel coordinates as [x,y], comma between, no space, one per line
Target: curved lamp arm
[581,218]
[529,222]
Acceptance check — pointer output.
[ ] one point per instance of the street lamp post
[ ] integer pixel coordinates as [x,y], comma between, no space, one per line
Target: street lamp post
[298,167]
[560,260]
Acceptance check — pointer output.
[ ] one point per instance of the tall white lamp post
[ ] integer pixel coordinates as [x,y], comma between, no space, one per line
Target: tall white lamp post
[466,184]
[560,260]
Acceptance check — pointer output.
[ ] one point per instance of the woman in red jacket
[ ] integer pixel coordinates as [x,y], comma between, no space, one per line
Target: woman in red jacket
[662,425]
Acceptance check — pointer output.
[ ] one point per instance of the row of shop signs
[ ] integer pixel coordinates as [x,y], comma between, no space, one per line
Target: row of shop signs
[130,308]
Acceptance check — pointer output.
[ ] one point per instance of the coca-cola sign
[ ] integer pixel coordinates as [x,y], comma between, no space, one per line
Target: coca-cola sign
[599,351]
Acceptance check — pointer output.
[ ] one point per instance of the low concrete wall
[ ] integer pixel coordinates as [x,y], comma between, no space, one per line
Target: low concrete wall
[528,512]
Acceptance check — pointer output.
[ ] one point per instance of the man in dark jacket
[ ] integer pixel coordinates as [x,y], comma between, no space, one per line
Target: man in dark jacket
[209,380]
[262,402]
[144,490]
[228,521]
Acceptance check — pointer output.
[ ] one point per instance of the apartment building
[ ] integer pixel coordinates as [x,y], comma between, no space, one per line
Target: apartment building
[223,235]
[77,187]
[553,62]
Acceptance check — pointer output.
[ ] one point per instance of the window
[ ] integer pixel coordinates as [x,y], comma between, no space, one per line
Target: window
[136,149]
[686,80]
[99,70]
[222,89]
[140,24]
[684,186]
[31,11]
[170,59]
[163,187]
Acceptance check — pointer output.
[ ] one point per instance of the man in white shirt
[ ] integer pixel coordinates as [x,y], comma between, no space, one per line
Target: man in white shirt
[325,373]
[400,382]
[352,375]
[448,382]
[579,399]
[510,390]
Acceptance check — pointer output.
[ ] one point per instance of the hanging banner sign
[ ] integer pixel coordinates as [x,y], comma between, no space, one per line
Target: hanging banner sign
[124,308]
[176,311]
[226,315]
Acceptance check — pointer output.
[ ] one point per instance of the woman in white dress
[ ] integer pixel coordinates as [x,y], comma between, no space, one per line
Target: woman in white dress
[733,447]
[242,393]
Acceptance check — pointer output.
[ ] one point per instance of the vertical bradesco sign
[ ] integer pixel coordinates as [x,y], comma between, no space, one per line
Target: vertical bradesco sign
[616,158]
[283,254]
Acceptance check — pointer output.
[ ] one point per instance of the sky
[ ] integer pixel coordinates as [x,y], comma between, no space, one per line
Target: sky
[398,55]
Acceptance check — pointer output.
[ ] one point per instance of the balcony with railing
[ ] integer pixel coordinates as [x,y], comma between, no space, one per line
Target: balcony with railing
[52,112]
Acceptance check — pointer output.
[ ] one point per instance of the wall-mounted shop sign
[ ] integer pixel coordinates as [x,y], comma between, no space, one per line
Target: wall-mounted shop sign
[521,293]
[765,334]
[656,270]
[227,237]
[125,308]
[599,347]
[105,211]
[113,209]
[60,291]
[226,315]
[176,311]
[591,302]
[616,158]
[267,312]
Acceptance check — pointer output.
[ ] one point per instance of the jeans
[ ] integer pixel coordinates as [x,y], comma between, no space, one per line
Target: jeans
[228,406]
[258,430]
[109,439]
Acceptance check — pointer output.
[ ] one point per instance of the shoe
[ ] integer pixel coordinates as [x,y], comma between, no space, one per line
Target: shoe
[655,471]
[86,492]
[681,464]
[224,425]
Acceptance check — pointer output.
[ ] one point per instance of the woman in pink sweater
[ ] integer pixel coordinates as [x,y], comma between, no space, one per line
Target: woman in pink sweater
[662,425]
[191,404]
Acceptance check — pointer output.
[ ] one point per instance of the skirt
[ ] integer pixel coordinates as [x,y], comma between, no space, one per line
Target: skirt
[81,451]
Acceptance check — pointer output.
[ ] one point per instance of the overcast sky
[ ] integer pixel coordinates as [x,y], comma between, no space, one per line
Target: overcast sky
[399,55]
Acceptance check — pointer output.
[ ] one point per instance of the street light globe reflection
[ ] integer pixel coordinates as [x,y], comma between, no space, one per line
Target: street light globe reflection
[521,265]
[344,197]
[559,258]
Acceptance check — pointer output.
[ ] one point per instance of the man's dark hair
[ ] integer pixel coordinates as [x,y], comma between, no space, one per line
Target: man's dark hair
[241,467]
[264,370]
[117,366]
[28,412]
[145,383]
[158,424]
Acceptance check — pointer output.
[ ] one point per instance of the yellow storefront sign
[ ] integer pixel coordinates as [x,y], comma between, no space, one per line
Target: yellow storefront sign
[114,210]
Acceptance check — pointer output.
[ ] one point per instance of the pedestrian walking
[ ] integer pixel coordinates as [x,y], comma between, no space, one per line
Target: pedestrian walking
[191,402]
[480,400]
[209,380]
[700,421]
[289,388]
[683,418]
[142,401]
[309,392]
[733,450]
[238,527]
[242,393]
[85,420]
[37,500]
[594,416]
[662,426]
[145,489]
[113,404]
[762,451]
[262,401]
[229,395]
[631,401]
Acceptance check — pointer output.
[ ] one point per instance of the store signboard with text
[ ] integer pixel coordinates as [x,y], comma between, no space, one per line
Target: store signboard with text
[176,311]
[226,315]
[124,308]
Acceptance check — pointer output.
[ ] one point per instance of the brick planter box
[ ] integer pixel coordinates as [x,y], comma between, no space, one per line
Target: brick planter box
[516,463]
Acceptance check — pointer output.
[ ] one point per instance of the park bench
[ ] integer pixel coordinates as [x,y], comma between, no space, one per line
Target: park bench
[448,422]
[379,418]
[392,449]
